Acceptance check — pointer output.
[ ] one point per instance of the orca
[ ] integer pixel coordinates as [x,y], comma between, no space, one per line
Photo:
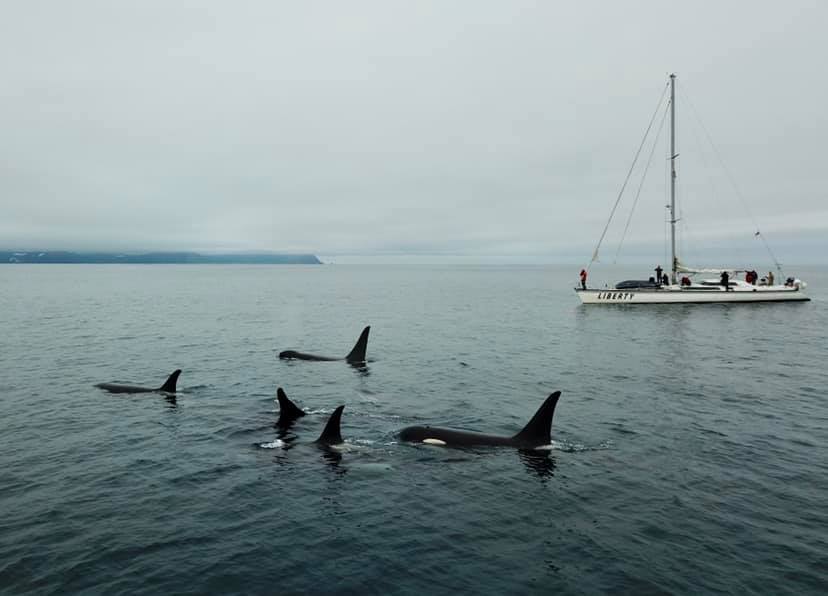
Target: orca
[167,387]
[327,441]
[535,434]
[357,355]
[288,411]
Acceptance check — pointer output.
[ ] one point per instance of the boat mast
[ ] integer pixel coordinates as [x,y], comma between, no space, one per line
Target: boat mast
[673,156]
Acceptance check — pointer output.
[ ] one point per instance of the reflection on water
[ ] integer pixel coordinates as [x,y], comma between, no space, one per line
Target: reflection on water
[282,426]
[288,438]
[537,462]
[360,368]
[333,458]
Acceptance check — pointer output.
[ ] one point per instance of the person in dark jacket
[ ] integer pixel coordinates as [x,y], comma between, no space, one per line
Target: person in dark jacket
[726,281]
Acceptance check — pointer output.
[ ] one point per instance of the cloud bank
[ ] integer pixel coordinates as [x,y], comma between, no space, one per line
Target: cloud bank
[385,128]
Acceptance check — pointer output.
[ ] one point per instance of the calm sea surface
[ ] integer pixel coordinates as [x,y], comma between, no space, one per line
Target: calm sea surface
[689,442]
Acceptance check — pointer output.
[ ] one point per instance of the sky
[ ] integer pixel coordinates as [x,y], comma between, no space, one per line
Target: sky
[404,130]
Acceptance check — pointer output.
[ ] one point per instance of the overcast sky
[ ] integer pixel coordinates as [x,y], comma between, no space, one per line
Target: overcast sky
[407,128]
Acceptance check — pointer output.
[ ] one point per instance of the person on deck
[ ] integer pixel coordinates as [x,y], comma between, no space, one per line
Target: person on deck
[658,271]
[725,281]
[583,279]
[665,281]
[770,278]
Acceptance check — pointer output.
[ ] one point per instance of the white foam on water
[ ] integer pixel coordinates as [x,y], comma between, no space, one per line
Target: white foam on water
[553,445]
[353,446]
[277,444]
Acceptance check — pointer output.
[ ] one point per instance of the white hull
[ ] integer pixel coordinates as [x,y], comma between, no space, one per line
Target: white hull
[679,295]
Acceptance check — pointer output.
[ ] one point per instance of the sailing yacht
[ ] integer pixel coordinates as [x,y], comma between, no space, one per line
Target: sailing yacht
[724,287]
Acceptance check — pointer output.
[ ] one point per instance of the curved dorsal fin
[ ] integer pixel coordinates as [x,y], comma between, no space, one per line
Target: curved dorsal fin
[539,429]
[169,385]
[358,353]
[288,411]
[331,434]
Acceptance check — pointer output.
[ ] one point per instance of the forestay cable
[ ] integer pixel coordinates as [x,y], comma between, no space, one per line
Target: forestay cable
[643,178]
[621,193]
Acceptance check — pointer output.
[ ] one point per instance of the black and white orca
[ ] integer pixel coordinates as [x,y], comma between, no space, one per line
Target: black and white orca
[537,433]
[356,356]
[167,387]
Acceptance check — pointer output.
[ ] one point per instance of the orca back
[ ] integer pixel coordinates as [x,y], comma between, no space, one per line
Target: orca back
[294,355]
[118,388]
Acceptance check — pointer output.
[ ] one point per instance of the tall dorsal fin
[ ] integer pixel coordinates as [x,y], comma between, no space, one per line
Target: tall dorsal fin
[288,411]
[331,435]
[169,385]
[539,430]
[358,353]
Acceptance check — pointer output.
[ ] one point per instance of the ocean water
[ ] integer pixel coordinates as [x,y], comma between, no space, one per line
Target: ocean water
[689,451]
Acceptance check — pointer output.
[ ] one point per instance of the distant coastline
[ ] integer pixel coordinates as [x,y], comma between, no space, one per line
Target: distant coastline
[153,258]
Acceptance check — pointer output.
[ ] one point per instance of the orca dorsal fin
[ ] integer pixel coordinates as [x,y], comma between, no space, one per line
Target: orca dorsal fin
[169,385]
[288,411]
[539,429]
[331,434]
[358,353]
